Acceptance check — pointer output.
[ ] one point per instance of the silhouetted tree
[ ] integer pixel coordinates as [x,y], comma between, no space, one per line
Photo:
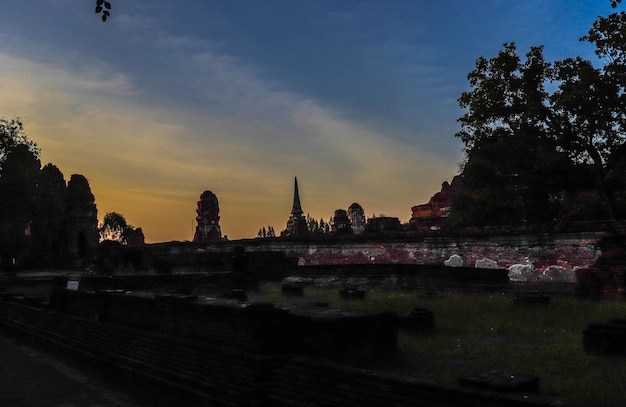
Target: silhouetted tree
[508,98]
[114,227]
[270,231]
[312,224]
[266,232]
[509,175]
[324,226]
[519,137]
[588,117]
[12,135]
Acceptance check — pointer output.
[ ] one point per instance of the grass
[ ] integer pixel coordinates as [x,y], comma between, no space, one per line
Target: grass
[476,333]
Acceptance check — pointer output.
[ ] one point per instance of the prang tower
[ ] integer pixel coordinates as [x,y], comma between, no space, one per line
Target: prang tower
[208,218]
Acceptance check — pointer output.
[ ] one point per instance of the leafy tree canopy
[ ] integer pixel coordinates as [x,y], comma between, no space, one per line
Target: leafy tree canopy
[114,227]
[12,135]
[508,97]
[522,115]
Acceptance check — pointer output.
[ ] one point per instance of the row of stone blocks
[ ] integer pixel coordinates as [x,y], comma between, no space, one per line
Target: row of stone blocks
[218,374]
[259,327]
[303,382]
[195,370]
[221,375]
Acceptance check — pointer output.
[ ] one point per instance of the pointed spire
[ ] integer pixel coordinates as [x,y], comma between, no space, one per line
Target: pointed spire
[297,208]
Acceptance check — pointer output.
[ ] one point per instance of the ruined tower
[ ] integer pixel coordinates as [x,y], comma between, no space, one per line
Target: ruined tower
[208,218]
[340,223]
[356,214]
[296,225]
[81,216]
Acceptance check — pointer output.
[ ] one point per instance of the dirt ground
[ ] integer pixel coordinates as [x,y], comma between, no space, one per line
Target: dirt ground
[32,377]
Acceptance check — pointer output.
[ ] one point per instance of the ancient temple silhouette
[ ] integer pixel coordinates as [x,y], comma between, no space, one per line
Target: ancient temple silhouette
[356,214]
[296,225]
[340,223]
[81,218]
[208,218]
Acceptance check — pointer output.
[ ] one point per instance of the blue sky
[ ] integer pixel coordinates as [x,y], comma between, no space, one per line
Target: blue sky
[168,99]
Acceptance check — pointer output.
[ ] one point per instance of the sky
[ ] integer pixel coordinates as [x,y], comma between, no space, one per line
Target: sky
[357,99]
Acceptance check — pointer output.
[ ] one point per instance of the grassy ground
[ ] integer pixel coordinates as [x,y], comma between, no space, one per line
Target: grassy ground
[477,333]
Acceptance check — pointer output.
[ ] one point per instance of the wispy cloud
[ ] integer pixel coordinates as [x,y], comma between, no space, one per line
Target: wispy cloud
[140,158]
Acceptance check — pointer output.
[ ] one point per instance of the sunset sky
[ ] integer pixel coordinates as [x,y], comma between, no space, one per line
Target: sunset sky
[168,99]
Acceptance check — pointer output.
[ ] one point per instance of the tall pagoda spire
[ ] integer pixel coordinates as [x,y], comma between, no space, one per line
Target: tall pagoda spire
[297,208]
[296,225]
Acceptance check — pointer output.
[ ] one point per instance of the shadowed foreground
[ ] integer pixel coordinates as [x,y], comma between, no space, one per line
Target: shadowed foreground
[31,377]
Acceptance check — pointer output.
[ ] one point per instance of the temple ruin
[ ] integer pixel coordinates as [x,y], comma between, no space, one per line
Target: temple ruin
[82,234]
[208,218]
[356,214]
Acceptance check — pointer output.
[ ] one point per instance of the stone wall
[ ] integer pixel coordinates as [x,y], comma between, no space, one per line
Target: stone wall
[255,327]
[550,256]
[567,251]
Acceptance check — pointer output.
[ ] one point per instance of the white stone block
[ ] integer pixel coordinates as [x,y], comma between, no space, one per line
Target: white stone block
[558,274]
[486,263]
[521,272]
[454,261]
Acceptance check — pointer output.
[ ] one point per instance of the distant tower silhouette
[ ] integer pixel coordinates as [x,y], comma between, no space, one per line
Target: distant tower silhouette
[81,218]
[296,225]
[296,210]
[208,229]
[340,223]
[357,218]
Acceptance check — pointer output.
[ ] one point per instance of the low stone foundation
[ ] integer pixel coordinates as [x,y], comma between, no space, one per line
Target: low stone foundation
[235,362]
[258,327]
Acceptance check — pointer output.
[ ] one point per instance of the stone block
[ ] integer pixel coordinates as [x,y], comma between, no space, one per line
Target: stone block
[337,333]
[521,272]
[558,274]
[454,261]
[486,263]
